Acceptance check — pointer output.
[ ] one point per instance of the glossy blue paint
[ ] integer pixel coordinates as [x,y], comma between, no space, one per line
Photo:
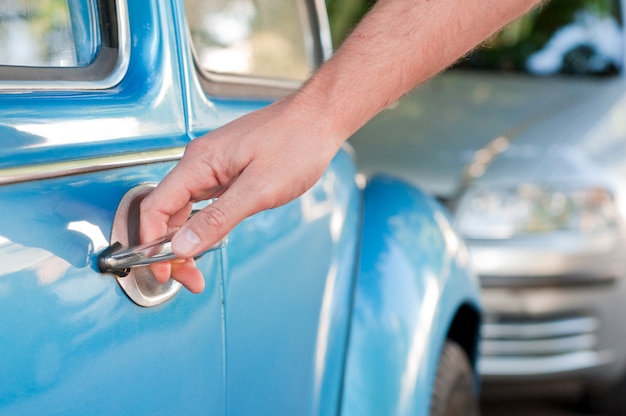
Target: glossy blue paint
[205,112]
[72,342]
[288,281]
[145,111]
[412,280]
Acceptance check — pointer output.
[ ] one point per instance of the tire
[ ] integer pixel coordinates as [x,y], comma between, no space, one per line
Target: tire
[454,393]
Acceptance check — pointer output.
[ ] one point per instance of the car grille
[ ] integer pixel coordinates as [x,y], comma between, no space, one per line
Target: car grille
[518,347]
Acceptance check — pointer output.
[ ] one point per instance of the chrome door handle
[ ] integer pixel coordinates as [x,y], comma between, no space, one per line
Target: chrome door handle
[119,260]
[125,255]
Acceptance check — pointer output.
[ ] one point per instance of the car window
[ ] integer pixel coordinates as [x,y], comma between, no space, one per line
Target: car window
[48,33]
[254,38]
[577,37]
[63,44]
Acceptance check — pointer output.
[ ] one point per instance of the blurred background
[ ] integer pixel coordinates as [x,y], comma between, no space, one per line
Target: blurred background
[524,141]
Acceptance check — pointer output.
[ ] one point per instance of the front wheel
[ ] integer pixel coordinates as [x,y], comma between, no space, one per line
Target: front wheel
[454,393]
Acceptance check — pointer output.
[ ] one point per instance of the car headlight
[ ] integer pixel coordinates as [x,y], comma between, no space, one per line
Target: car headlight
[509,212]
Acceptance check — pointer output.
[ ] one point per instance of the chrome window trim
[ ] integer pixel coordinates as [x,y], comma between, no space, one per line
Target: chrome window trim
[97,164]
[209,78]
[326,42]
[233,85]
[113,78]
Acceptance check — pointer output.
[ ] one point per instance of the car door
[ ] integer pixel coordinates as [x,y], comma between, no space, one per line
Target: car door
[92,107]
[288,271]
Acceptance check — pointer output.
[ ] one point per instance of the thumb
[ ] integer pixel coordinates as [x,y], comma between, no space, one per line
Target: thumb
[211,224]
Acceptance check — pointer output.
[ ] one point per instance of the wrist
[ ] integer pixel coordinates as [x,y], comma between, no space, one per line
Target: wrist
[311,104]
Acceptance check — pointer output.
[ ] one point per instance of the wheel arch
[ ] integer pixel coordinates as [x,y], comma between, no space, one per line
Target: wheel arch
[465,330]
[412,290]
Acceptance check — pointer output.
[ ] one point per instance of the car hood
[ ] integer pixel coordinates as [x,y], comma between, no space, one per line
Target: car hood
[466,122]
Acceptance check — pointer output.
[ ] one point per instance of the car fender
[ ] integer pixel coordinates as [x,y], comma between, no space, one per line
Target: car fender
[413,279]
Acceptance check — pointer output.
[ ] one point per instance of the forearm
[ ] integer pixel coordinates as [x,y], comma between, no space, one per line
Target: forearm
[269,157]
[397,46]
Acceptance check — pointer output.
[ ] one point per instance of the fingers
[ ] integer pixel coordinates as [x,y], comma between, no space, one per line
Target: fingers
[247,166]
[204,229]
[161,271]
[188,275]
[163,211]
[158,228]
[215,221]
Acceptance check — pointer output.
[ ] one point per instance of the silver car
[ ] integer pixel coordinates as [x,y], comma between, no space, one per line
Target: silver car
[525,142]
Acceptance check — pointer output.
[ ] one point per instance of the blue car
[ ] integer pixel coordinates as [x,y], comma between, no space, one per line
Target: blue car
[354,299]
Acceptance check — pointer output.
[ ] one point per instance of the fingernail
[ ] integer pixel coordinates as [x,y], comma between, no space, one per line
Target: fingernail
[185,242]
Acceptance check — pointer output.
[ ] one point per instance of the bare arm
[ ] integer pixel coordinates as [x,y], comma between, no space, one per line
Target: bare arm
[270,157]
[396,47]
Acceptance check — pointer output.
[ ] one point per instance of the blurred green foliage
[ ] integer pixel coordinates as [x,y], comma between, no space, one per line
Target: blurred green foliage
[510,49]
[344,15]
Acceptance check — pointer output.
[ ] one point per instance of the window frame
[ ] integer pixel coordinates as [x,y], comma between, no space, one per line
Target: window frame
[235,85]
[107,69]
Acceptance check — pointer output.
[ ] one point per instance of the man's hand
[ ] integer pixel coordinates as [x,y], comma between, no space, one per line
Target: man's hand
[271,156]
[260,161]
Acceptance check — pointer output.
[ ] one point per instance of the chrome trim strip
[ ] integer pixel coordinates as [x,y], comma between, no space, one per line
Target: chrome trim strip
[548,365]
[247,79]
[539,330]
[326,42]
[76,167]
[537,347]
[123,51]
[114,78]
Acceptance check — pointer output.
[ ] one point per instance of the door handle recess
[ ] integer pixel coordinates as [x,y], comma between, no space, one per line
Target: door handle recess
[125,255]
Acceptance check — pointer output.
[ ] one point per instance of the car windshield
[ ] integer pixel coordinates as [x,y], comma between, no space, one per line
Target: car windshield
[575,37]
